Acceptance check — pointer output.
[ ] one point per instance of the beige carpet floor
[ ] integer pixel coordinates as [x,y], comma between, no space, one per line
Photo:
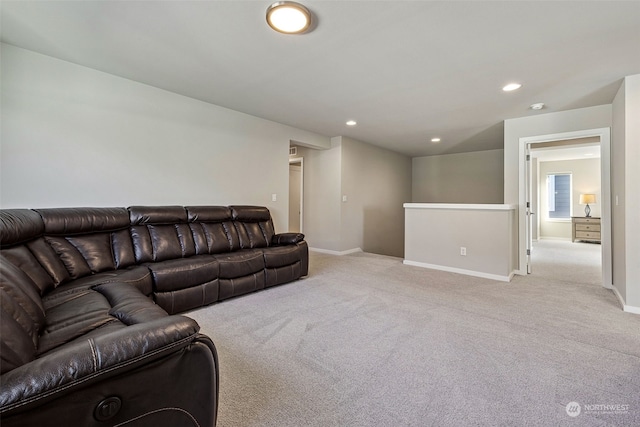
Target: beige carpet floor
[367,341]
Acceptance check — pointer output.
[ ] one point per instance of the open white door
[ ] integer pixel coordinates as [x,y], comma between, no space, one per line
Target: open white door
[528,204]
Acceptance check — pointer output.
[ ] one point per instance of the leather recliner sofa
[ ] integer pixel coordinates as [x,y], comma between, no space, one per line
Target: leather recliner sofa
[90,334]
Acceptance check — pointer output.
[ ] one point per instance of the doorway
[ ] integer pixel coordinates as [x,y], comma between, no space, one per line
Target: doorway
[296,194]
[525,222]
[559,173]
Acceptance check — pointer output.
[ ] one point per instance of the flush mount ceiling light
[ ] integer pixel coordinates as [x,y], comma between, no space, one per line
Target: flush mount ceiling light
[537,106]
[435,140]
[288,17]
[351,123]
[511,86]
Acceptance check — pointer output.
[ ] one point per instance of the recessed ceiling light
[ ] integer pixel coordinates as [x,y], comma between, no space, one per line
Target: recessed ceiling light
[511,86]
[351,123]
[537,106]
[435,139]
[288,17]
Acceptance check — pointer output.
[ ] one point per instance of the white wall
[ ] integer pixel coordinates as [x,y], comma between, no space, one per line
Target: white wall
[539,126]
[436,232]
[632,193]
[585,178]
[544,124]
[459,178]
[625,181]
[377,182]
[74,136]
[622,117]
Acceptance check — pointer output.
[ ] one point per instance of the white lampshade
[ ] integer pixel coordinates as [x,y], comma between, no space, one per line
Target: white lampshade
[585,199]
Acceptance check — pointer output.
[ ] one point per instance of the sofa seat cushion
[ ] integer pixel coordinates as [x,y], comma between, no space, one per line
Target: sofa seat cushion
[230,288]
[279,256]
[138,276]
[185,283]
[80,313]
[241,272]
[183,273]
[242,263]
[71,315]
[185,299]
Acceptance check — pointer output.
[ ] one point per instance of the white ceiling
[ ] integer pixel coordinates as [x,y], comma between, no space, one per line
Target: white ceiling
[407,71]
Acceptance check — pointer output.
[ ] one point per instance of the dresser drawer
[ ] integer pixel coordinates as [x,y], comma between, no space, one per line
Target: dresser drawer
[584,220]
[587,235]
[587,227]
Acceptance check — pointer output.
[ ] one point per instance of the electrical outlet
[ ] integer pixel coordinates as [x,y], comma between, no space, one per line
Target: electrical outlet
[463,251]
[274,197]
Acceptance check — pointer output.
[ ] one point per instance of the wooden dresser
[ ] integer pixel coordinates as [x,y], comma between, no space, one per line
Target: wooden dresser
[587,229]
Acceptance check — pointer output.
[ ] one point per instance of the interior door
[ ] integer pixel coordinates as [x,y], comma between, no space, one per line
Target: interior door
[528,204]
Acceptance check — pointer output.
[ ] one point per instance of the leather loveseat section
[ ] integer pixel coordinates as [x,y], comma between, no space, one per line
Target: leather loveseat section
[89,333]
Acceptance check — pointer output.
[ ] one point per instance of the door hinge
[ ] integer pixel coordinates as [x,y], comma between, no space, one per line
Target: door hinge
[528,157]
[528,251]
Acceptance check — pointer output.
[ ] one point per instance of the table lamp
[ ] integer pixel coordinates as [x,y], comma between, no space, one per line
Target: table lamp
[585,199]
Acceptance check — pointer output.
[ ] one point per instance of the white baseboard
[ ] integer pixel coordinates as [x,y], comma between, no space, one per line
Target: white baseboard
[461,271]
[339,253]
[562,239]
[631,309]
[625,307]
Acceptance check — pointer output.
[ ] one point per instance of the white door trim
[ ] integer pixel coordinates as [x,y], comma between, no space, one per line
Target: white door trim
[605,183]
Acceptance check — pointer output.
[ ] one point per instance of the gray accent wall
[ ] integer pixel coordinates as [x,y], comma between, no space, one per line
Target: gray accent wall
[376,182]
[459,178]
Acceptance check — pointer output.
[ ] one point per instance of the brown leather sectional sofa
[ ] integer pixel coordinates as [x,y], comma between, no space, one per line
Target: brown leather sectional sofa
[89,331]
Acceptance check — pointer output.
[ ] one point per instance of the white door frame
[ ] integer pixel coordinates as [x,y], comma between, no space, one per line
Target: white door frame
[528,206]
[605,184]
[301,161]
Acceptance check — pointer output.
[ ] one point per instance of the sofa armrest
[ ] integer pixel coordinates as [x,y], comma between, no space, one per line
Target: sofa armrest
[287,239]
[87,361]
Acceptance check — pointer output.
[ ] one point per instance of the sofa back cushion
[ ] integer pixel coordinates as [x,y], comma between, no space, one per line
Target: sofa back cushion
[254,226]
[212,229]
[24,259]
[22,314]
[85,241]
[19,226]
[160,233]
